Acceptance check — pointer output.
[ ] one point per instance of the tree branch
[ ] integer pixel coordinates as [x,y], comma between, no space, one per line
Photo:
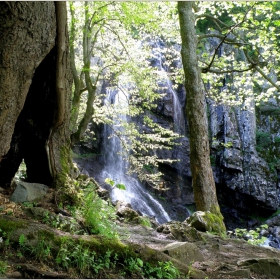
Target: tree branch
[228,41]
[260,70]
[215,20]
[206,69]
[252,66]
[114,32]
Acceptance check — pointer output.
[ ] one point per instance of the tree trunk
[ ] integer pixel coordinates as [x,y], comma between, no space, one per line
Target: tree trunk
[91,88]
[202,176]
[35,83]
[76,100]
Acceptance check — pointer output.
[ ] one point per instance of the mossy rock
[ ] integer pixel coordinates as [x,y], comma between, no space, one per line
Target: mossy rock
[207,221]
[180,231]
[268,267]
[35,232]
[8,224]
[125,211]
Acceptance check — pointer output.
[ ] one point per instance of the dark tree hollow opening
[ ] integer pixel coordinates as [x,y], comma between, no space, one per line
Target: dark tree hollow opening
[32,129]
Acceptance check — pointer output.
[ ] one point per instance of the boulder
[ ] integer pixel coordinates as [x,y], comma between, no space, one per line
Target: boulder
[65,223]
[30,192]
[268,267]
[180,231]
[185,252]
[275,221]
[206,221]
[125,211]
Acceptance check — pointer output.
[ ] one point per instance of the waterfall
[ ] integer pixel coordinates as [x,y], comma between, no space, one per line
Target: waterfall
[178,114]
[116,165]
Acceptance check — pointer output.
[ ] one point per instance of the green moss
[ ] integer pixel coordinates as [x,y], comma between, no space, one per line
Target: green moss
[67,189]
[47,235]
[9,226]
[98,244]
[215,223]
[144,221]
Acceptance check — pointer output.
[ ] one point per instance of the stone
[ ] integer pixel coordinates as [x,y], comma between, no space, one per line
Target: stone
[14,275]
[195,273]
[180,231]
[30,192]
[65,223]
[184,252]
[197,220]
[273,244]
[243,273]
[206,221]
[276,232]
[125,211]
[275,221]
[269,267]
[264,232]
[103,193]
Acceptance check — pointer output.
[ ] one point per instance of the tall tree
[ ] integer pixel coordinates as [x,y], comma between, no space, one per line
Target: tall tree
[202,177]
[35,92]
[113,49]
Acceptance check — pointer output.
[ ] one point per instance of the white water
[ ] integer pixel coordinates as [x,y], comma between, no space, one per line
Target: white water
[178,114]
[116,167]
[115,161]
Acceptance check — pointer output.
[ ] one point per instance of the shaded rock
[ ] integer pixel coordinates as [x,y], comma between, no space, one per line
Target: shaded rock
[29,192]
[270,267]
[183,251]
[75,172]
[180,231]
[275,221]
[125,211]
[14,275]
[205,221]
[102,193]
[252,223]
[264,232]
[276,232]
[37,212]
[274,244]
[243,273]
[68,224]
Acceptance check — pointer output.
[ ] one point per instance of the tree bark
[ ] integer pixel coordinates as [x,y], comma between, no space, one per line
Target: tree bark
[202,176]
[76,100]
[35,88]
[59,142]
[20,29]
[91,88]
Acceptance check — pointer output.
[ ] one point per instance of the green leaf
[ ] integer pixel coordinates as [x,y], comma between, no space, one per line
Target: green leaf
[109,181]
[140,262]
[121,186]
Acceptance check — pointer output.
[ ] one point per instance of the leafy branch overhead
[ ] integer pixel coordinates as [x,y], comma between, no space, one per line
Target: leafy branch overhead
[245,43]
[110,47]
[110,51]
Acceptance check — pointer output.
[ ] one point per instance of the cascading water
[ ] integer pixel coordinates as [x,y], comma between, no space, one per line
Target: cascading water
[116,166]
[115,161]
[178,115]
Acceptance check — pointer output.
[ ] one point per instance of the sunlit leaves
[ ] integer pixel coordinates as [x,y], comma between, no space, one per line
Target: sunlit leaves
[255,40]
[109,181]
[120,187]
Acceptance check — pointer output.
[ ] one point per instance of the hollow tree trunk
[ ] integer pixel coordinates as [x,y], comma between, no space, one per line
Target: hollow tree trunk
[202,177]
[35,81]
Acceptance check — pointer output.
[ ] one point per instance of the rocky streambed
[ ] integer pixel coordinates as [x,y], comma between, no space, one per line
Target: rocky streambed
[196,254]
[204,254]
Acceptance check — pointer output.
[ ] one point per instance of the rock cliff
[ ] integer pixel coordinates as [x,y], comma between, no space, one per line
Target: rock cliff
[244,143]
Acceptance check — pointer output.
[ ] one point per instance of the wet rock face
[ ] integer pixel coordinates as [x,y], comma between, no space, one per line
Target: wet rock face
[244,165]
[237,164]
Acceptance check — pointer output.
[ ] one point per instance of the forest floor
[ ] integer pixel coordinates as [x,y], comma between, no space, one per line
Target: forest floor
[214,258]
